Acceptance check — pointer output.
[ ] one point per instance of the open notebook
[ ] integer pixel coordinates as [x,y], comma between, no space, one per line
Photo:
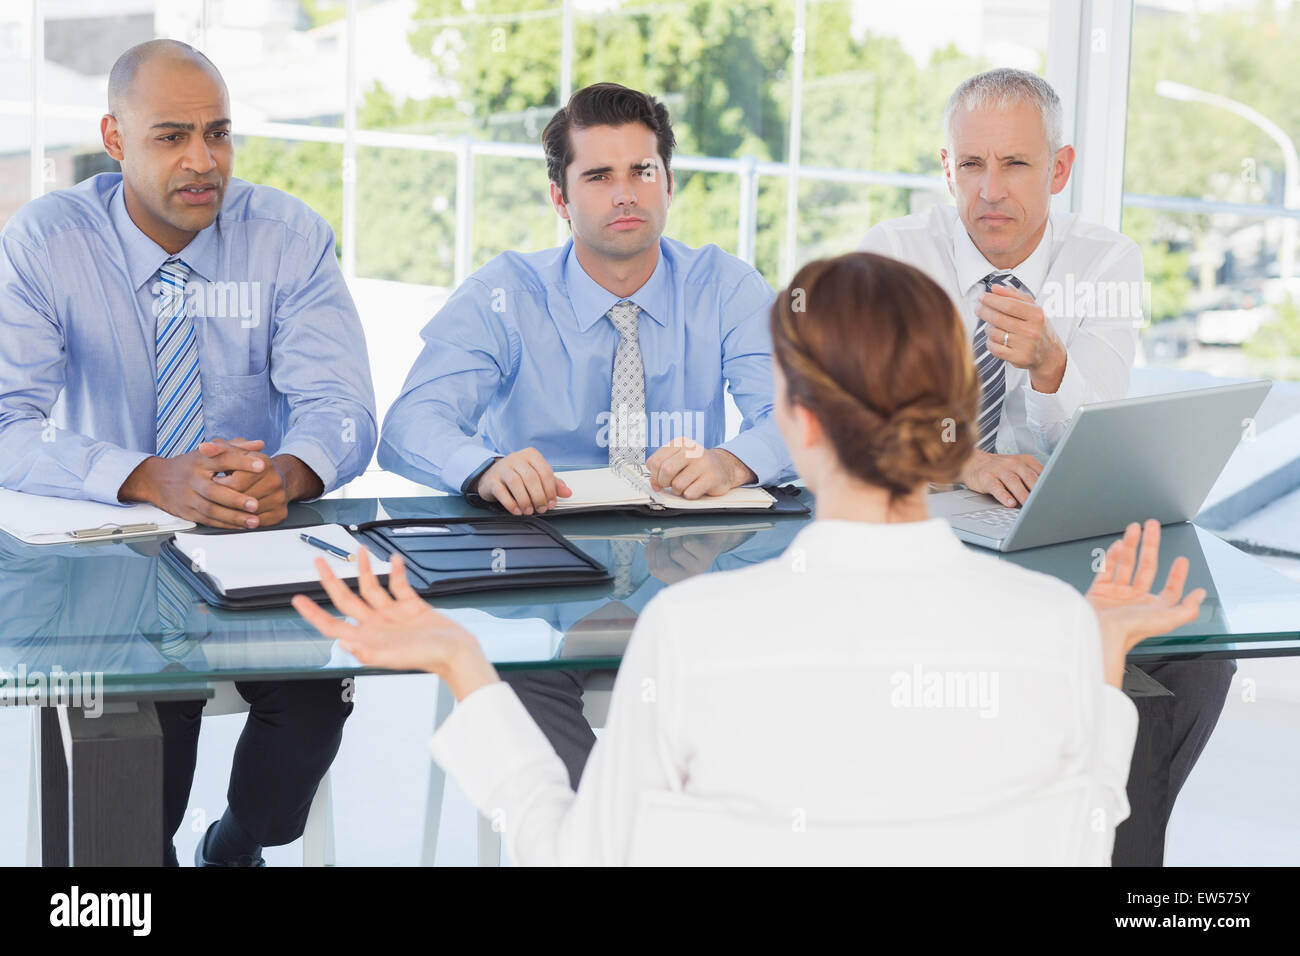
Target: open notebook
[248,569]
[630,487]
[270,558]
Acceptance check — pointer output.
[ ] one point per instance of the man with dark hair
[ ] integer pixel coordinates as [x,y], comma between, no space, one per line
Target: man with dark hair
[174,335]
[597,353]
[483,408]
[604,104]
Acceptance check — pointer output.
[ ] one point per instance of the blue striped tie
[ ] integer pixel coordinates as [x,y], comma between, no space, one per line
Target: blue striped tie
[173,600]
[180,397]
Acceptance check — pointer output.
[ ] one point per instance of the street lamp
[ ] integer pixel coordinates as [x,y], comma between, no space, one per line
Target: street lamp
[1291,187]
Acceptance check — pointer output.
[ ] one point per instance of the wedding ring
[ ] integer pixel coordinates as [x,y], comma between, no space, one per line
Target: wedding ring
[1006,336]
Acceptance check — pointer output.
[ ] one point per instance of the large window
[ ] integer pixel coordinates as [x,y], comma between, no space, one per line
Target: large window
[16,101]
[412,126]
[1210,179]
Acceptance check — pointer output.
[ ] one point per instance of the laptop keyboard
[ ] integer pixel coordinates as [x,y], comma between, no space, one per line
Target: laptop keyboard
[999,519]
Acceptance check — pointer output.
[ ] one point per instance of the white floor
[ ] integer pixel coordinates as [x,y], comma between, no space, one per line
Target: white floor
[1240,806]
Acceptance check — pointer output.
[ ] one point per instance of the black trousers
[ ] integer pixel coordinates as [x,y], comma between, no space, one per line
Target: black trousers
[290,738]
[553,698]
[1173,729]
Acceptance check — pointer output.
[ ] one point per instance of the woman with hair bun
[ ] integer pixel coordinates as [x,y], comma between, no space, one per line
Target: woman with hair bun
[878,694]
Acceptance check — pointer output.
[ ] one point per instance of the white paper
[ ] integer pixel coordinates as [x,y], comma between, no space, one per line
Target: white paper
[741,497]
[239,560]
[39,519]
[603,487]
[597,486]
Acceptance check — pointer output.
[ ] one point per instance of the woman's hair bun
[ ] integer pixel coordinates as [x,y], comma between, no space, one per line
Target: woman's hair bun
[876,351]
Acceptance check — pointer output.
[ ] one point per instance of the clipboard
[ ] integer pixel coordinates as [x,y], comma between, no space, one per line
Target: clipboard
[42,519]
[442,556]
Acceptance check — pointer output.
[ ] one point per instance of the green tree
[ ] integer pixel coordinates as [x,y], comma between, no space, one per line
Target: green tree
[724,71]
[1274,349]
[1193,149]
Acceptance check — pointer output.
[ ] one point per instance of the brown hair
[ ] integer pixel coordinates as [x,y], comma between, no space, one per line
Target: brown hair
[877,352]
[603,104]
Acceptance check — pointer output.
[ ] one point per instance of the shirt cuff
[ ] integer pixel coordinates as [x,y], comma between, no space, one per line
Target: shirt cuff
[1119,720]
[464,463]
[314,457]
[1048,408]
[754,451]
[111,468]
[487,740]
[476,474]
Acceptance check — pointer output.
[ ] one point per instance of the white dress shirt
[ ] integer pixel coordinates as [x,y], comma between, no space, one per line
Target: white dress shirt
[1087,279]
[797,683]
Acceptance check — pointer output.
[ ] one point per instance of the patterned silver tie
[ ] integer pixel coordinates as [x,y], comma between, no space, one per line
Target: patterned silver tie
[627,396]
[622,555]
[992,371]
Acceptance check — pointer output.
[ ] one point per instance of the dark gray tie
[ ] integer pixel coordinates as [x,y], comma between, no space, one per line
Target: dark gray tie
[992,371]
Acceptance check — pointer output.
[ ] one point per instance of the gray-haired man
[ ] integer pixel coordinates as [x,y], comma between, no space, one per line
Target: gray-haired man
[1037,289]
[1052,304]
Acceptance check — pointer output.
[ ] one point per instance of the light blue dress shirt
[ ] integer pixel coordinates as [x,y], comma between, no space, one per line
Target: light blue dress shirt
[522,355]
[282,356]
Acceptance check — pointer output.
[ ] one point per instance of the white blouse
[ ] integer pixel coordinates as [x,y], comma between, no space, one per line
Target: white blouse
[873,672]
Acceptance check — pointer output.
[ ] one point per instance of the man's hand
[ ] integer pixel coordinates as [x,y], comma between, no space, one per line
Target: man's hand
[1008,478]
[522,482]
[266,485]
[1031,342]
[285,478]
[397,628]
[676,559]
[1127,611]
[688,469]
[185,485]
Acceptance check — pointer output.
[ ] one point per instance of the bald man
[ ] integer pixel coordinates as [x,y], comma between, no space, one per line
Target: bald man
[174,335]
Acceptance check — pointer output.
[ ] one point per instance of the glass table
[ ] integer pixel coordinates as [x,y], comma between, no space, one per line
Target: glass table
[90,611]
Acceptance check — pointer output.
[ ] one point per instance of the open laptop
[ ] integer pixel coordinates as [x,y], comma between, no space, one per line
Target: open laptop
[1156,456]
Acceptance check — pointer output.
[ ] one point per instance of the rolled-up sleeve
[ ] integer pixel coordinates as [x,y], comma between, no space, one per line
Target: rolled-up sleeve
[35,456]
[430,433]
[319,363]
[747,367]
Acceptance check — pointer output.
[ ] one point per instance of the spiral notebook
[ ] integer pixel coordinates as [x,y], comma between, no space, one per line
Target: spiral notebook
[630,485]
[629,489]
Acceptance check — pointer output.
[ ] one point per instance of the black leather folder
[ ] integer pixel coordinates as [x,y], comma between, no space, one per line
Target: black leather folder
[466,554]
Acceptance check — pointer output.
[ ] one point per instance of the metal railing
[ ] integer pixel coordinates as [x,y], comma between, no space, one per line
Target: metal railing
[748,170]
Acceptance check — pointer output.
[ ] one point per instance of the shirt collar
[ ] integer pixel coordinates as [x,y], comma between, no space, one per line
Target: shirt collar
[591,300]
[144,257]
[972,266]
[832,543]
